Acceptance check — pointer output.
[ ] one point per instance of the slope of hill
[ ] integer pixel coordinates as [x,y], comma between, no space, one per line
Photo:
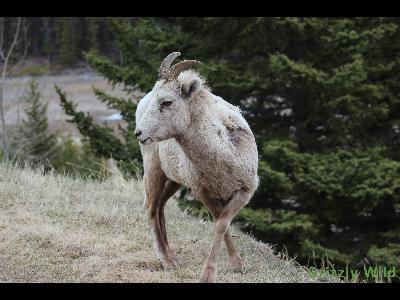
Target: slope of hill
[58,229]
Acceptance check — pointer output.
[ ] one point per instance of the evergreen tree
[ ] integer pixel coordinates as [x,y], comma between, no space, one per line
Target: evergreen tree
[68,51]
[94,24]
[103,142]
[48,39]
[38,144]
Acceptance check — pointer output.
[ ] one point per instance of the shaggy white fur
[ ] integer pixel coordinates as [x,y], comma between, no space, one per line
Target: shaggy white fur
[203,142]
[193,138]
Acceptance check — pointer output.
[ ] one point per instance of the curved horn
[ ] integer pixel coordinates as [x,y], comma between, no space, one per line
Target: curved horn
[179,67]
[166,64]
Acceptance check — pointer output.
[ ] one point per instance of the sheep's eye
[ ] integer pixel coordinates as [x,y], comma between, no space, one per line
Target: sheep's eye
[166,103]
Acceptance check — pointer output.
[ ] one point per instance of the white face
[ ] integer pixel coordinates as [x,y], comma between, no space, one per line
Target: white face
[163,113]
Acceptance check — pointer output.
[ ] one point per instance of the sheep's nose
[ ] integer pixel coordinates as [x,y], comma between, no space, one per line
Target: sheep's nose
[137,132]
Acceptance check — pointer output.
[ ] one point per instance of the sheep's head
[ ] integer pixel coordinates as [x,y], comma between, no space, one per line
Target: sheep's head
[164,112]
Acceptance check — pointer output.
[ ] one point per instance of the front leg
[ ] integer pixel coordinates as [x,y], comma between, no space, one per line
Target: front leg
[154,187]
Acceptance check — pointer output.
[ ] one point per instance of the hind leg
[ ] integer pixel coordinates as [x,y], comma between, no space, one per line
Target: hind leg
[221,227]
[234,258]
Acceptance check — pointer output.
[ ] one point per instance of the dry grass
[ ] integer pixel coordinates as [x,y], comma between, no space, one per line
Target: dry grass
[58,229]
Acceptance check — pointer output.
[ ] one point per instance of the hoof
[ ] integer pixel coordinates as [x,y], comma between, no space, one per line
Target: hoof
[207,276]
[169,264]
[237,265]
[172,256]
[241,270]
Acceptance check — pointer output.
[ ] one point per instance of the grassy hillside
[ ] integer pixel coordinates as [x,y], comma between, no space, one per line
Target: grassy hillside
[57,229]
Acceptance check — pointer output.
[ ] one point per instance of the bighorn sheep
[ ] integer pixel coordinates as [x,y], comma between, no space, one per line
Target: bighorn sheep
[193,138]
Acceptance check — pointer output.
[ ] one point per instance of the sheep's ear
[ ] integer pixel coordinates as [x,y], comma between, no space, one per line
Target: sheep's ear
[189,87]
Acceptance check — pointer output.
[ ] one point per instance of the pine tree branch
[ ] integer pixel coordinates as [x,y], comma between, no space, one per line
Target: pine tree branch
[101,139]
[127,108]
[131,77]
